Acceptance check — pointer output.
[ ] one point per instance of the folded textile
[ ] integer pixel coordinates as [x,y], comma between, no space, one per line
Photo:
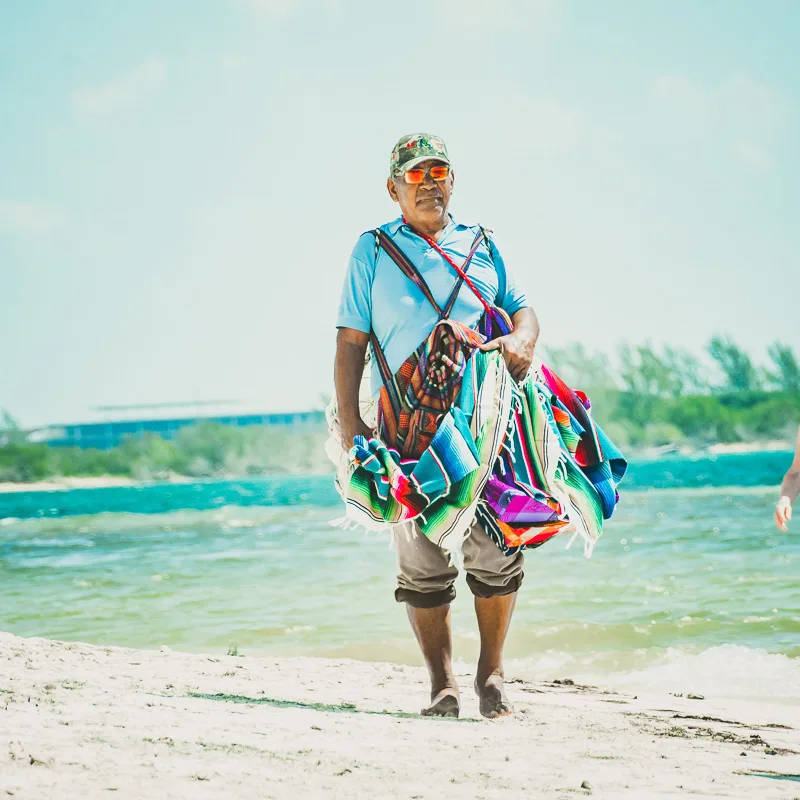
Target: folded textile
[442,488]
[526,459]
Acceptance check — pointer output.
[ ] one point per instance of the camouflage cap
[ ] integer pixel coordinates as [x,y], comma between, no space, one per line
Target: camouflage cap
[414,149]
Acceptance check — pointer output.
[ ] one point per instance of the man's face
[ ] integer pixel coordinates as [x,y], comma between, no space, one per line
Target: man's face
[423,204]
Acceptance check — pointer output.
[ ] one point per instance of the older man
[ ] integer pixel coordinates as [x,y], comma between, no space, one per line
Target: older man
[380,299]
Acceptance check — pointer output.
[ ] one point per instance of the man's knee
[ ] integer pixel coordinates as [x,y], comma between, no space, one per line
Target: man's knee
[425,575]
[490,573]
[416,599]
[485,590]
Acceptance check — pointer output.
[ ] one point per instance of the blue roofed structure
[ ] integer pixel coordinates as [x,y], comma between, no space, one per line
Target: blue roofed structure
[164,420]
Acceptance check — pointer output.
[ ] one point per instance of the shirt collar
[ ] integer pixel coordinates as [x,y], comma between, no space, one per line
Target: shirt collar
[395,225]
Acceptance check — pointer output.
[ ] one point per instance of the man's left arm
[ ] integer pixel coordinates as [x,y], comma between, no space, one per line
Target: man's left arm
[518,346]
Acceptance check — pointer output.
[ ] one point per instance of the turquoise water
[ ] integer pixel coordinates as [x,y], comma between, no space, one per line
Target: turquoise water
[690,582]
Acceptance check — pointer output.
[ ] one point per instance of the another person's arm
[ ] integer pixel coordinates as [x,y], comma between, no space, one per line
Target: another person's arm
[351,346]
[790,488]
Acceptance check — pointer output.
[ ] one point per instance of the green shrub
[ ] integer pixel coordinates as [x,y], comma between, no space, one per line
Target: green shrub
[26,462]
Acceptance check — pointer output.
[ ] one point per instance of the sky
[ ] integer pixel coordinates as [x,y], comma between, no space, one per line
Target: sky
[181,183]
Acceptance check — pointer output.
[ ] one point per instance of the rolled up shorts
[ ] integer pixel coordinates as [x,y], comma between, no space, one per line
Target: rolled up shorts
[425,575]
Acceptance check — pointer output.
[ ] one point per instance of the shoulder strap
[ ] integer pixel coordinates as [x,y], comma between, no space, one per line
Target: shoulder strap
[487,241]
[459,270]
[408,269]
[462,277]
[380,359]
[412,273]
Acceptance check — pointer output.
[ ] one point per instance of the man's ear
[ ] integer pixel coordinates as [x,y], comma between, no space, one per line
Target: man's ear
[392,189]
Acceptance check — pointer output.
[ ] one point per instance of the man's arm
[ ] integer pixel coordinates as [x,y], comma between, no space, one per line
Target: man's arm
[790,488]
[518,346]
[351,346]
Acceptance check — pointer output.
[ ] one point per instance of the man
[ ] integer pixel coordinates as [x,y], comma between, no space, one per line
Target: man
[790,488]
[379,297]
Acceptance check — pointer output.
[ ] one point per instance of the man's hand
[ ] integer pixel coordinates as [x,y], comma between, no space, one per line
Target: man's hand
[783,513]
[354,428]
[517,349]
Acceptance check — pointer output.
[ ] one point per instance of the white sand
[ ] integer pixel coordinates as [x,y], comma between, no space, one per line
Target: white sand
[82,721]
[60,484]
[769,446]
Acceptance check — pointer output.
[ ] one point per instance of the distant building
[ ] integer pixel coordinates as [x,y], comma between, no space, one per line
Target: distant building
[164,420]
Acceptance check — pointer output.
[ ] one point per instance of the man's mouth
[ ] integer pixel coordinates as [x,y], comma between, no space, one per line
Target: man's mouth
[432,198]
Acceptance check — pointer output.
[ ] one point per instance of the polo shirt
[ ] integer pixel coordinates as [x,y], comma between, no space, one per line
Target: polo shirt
[376,294]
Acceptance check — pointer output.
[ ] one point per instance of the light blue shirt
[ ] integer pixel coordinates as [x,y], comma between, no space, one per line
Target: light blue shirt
[376,294]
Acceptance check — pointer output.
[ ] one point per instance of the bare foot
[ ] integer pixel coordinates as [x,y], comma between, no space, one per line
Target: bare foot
[492,696]
[443,704]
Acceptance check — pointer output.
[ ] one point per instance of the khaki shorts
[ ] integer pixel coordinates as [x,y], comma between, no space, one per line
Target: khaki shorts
[425,576]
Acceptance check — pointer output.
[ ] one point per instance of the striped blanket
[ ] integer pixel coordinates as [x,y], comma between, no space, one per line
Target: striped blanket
[526,460]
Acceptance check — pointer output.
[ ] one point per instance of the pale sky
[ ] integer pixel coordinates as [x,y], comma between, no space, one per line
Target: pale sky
[181,183]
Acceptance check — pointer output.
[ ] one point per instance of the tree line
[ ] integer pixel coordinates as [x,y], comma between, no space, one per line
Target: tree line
[650,396]
[204,450]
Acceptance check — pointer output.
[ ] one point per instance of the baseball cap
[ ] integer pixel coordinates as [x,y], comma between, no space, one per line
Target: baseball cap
[414,149]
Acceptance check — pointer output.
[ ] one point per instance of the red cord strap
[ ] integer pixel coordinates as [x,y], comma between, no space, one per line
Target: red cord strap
[458,269]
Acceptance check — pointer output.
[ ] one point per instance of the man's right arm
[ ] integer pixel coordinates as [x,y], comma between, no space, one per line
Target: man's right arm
[351,347]
[354,321]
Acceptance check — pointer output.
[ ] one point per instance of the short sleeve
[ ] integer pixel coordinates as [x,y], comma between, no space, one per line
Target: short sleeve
[355,304]
[510,297]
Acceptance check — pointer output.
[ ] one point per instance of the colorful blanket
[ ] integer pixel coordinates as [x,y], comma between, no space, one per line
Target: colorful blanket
[526,459]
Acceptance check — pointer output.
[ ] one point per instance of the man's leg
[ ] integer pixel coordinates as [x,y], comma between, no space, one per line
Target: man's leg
[494,580]
[425,585]
[494,617]
[431,626]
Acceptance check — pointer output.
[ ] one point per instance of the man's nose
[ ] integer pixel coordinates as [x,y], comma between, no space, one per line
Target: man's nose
[428,179]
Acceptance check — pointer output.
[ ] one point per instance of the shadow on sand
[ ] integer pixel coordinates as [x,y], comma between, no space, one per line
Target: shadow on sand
[341,708]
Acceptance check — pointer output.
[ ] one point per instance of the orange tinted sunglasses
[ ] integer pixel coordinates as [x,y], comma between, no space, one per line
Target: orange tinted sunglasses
[438,172]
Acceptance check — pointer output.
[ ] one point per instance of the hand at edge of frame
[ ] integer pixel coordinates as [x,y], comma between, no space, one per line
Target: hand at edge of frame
[783,513]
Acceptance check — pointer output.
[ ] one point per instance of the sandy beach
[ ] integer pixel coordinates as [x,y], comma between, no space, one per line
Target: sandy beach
[63,484]
[60,484]
[84,721]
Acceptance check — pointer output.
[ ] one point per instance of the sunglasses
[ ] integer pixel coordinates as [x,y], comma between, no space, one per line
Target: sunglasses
[438,172]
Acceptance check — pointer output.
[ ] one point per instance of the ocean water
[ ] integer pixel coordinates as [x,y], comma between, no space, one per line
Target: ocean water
[691,587]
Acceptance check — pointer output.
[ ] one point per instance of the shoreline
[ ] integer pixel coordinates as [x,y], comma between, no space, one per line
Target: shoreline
[717,449]
[167,724]
[60,484]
